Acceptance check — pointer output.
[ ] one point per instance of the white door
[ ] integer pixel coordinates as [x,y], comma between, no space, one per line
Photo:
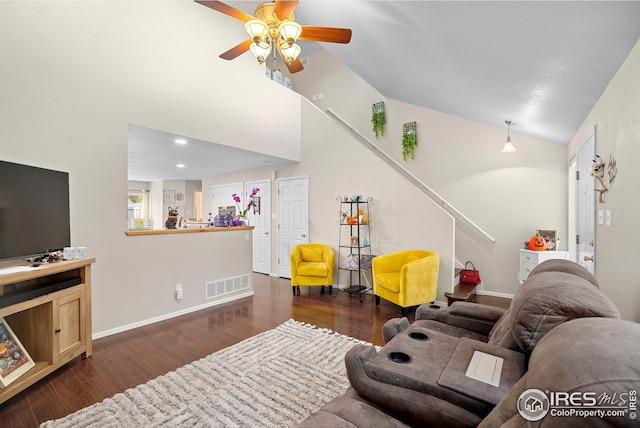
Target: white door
[222,195]
[293,219]
[261,221]
[585,206]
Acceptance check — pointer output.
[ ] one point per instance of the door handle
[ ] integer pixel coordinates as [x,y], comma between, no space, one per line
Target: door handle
[304,235]
[266,233]
[588,259]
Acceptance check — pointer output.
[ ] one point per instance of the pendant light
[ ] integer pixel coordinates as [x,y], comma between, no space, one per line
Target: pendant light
[508,146]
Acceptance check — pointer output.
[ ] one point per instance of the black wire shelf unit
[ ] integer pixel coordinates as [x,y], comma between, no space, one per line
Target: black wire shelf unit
[354,243]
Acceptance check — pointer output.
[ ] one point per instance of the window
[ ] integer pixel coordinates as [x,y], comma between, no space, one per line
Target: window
[137,204]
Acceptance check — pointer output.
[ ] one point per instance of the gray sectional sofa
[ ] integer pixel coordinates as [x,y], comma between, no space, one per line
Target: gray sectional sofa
[473,365]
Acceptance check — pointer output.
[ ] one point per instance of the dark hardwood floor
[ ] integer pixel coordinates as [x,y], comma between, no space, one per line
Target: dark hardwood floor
[133,357]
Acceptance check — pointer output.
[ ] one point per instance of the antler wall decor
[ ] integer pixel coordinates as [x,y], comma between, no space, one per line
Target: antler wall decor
[598,170]
[613,170]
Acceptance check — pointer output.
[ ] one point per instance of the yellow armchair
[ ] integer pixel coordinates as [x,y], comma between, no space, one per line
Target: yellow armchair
[312,265]
[406,278]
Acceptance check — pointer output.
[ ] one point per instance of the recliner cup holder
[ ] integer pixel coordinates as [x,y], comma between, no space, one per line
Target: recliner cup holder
[417,335]
[434,306]
[399,357]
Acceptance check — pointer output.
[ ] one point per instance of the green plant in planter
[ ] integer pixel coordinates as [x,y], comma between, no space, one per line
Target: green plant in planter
[409,143]
[378,118]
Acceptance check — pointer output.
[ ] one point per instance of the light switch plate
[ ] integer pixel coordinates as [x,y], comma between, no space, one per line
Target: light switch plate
[600,217]
[607,217]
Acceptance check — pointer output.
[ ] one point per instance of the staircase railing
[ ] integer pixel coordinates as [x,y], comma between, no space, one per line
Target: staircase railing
[412,178]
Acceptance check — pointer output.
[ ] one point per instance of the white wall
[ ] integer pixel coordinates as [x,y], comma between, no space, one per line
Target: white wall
[508,195]
[75,74]
[337,165]
[617,119]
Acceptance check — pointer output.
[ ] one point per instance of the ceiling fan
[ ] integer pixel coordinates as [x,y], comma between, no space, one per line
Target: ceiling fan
[273,28]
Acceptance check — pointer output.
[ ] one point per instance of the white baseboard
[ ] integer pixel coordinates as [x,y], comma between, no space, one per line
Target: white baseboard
[142,323]
[494,294]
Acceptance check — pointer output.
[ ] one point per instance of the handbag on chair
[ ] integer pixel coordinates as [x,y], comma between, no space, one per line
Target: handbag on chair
[470,276]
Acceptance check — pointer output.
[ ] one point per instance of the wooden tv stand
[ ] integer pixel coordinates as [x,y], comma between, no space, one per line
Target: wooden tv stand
[54,328]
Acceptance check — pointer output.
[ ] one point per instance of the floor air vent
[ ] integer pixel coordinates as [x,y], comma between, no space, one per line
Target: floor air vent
[226,286]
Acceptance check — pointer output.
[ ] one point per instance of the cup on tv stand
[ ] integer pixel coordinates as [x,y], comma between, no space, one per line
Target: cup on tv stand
[69,253]
[81,252]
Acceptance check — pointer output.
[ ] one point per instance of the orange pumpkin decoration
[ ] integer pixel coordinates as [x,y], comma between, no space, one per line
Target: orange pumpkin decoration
[537,243]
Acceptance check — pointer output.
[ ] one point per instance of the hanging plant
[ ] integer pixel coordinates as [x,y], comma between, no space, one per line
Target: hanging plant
[378,118]
[409,140]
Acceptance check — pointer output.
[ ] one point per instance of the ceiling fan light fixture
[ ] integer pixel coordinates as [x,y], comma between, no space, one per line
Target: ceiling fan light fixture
[289,53]
[290,31]
[508,145]
[258,31]
[272,28]
[261,52]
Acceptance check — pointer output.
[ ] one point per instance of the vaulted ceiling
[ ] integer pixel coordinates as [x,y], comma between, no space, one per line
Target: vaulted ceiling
[541,64]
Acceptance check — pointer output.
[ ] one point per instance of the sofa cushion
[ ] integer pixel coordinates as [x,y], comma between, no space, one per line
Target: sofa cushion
[567,266]
[325,419]
[483,312]
[409,399]
[505,414]
[592,355]
[612,360]
[310,254]
[474,317]
[313,269]
[450,330]
[549,299]
[350,411]
[455,377]
[389,280]
[500,334]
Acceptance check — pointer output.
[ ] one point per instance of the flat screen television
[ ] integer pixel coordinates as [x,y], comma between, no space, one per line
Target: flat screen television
[34,210]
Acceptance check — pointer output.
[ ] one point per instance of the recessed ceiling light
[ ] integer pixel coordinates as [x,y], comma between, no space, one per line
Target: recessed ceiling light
[180,165]
[180,141]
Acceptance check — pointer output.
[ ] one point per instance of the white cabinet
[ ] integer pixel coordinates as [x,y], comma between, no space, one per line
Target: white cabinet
[530,259]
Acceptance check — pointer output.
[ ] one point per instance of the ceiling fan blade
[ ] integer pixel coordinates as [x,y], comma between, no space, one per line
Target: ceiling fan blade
[295,66]
[226,9]
[284,8]
[325,34]
[236,50]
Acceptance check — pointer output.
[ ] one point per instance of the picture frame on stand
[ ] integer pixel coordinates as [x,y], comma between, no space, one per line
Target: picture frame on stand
[551,236]
[14,358]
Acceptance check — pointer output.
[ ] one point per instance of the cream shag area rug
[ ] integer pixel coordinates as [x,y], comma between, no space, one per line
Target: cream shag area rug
[274,379]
